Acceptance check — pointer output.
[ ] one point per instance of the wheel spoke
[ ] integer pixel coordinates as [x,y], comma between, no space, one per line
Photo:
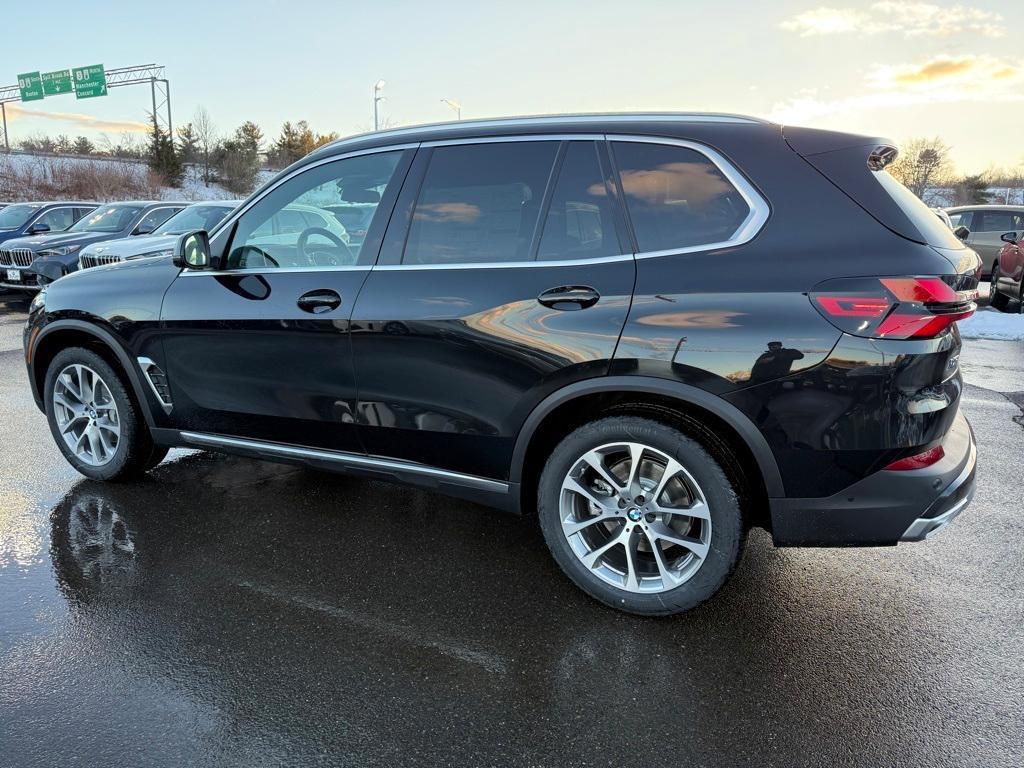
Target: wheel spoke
[87,384]
[95,446]
[572,484]
[572,526]
[667,577]
[75,418]
[70,387]
[593,558]
[698,510]
[631,542]
[636,457]
[595,462]
[663,532]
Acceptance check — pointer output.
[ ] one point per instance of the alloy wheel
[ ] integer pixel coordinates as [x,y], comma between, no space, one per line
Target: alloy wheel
[86,415]
[635,517]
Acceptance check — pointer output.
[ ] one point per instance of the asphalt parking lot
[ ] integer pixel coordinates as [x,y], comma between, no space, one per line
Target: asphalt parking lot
[232,612]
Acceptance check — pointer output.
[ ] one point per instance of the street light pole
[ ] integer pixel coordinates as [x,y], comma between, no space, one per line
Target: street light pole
[454,105]
[377,88]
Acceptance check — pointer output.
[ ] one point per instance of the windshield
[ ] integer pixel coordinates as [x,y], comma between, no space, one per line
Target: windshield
[194,217]
[933,228]
[14,216]
[109,218]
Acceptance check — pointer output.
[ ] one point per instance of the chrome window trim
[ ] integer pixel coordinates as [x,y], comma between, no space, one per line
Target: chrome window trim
[274,270]
[347,459]
[759,208]
[51,210]
[759,213]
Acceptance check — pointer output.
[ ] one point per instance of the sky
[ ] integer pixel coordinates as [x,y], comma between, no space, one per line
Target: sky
[889,68]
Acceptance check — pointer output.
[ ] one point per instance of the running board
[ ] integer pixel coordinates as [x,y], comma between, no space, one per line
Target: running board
[405,471]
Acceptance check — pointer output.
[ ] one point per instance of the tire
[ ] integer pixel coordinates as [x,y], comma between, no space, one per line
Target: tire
[632,577]
[111,410]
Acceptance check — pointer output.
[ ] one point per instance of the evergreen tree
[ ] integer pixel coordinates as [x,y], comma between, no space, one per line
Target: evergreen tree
[188,144]
[83,146]
[162,156]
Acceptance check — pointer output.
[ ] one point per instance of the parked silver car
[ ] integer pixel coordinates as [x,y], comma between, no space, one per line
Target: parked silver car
[987,224]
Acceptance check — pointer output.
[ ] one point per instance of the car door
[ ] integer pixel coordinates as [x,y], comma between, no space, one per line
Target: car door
[259,348]
[504,276]
[986,234]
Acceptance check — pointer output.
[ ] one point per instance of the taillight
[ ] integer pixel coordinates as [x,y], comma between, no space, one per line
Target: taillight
[918,460]
[892,307]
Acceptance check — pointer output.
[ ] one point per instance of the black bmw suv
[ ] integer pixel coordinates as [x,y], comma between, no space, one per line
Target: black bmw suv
[653,331]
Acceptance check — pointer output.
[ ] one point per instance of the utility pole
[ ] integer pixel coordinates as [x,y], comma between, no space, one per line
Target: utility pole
[377,98]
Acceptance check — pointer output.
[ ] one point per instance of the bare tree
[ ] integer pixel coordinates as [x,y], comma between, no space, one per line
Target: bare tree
[922,164]
[206,139]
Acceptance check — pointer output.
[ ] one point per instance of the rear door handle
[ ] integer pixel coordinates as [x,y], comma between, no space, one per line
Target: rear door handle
[320,301]
[569,297]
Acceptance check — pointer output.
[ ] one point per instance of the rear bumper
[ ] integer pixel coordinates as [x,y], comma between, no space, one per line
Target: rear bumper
[886,507]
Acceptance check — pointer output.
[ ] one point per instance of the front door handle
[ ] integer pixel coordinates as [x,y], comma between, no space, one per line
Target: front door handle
[318,302]
[569,297]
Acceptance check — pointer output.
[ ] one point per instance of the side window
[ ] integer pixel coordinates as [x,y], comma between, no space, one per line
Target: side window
[580,223]
[154,219]
[480,203]
[994,221]
[677,197]
[80,212]
[58,219]
[277,231]
[956,219]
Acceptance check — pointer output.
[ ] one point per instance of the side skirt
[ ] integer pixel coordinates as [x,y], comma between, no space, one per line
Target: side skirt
[492,493]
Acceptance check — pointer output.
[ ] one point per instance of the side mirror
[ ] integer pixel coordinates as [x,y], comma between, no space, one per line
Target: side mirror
[1009,237]
[143,230]
[192,251]
[962,232]
[39,229]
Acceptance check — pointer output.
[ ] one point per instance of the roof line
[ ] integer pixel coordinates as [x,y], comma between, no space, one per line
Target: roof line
[585,117]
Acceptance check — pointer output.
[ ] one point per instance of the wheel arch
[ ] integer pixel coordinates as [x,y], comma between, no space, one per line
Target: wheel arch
[62,334]
[618,392]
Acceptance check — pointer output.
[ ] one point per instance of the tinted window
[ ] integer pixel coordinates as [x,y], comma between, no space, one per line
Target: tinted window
[108,218]
[962,218]
[292,226]
[997,221]
[480,203]
[194,217]
[14,216]
[677,197]
[580,222]
[934,231]
[57,219]
[154,219]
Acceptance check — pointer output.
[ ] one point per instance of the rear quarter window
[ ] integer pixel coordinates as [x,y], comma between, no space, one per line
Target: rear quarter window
[677,197]
[932,228]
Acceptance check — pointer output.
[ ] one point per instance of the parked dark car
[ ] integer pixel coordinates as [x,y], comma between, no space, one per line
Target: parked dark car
[1007,291]
[627,325]
[42,258]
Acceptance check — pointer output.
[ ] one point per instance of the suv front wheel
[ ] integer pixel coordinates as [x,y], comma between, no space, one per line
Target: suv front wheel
[95,423]
[640,516]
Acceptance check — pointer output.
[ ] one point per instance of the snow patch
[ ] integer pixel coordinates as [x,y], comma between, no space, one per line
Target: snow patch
[992,324]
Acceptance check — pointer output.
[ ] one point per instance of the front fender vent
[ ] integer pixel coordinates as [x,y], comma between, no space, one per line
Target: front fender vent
[157,382]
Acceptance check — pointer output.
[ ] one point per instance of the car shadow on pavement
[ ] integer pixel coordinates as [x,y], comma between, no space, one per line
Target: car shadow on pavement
[346,615]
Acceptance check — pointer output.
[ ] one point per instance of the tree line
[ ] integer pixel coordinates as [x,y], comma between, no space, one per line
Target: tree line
[231,159]
[925,167]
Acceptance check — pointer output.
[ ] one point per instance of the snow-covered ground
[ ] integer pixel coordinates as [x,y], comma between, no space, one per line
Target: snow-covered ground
[988,323]
[48,168]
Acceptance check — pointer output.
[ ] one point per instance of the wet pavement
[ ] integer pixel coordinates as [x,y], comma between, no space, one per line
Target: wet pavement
[232,612]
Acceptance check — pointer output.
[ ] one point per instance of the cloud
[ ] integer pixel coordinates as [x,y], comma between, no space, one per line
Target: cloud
[940,80]
[86,121]
[912,19]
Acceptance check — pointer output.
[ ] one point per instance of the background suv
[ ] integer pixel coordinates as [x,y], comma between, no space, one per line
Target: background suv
[987,223]
[42,258]
[623,324]
[19,219]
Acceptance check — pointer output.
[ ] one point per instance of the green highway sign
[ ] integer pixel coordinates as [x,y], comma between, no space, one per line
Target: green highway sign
[56,83]
[89,81]
[31,86]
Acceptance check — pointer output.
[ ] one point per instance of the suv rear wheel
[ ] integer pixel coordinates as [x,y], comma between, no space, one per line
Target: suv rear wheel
[640,516]
[95,423]
[998,300]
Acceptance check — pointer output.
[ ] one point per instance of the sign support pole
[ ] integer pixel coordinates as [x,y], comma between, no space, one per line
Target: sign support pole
[7,144]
